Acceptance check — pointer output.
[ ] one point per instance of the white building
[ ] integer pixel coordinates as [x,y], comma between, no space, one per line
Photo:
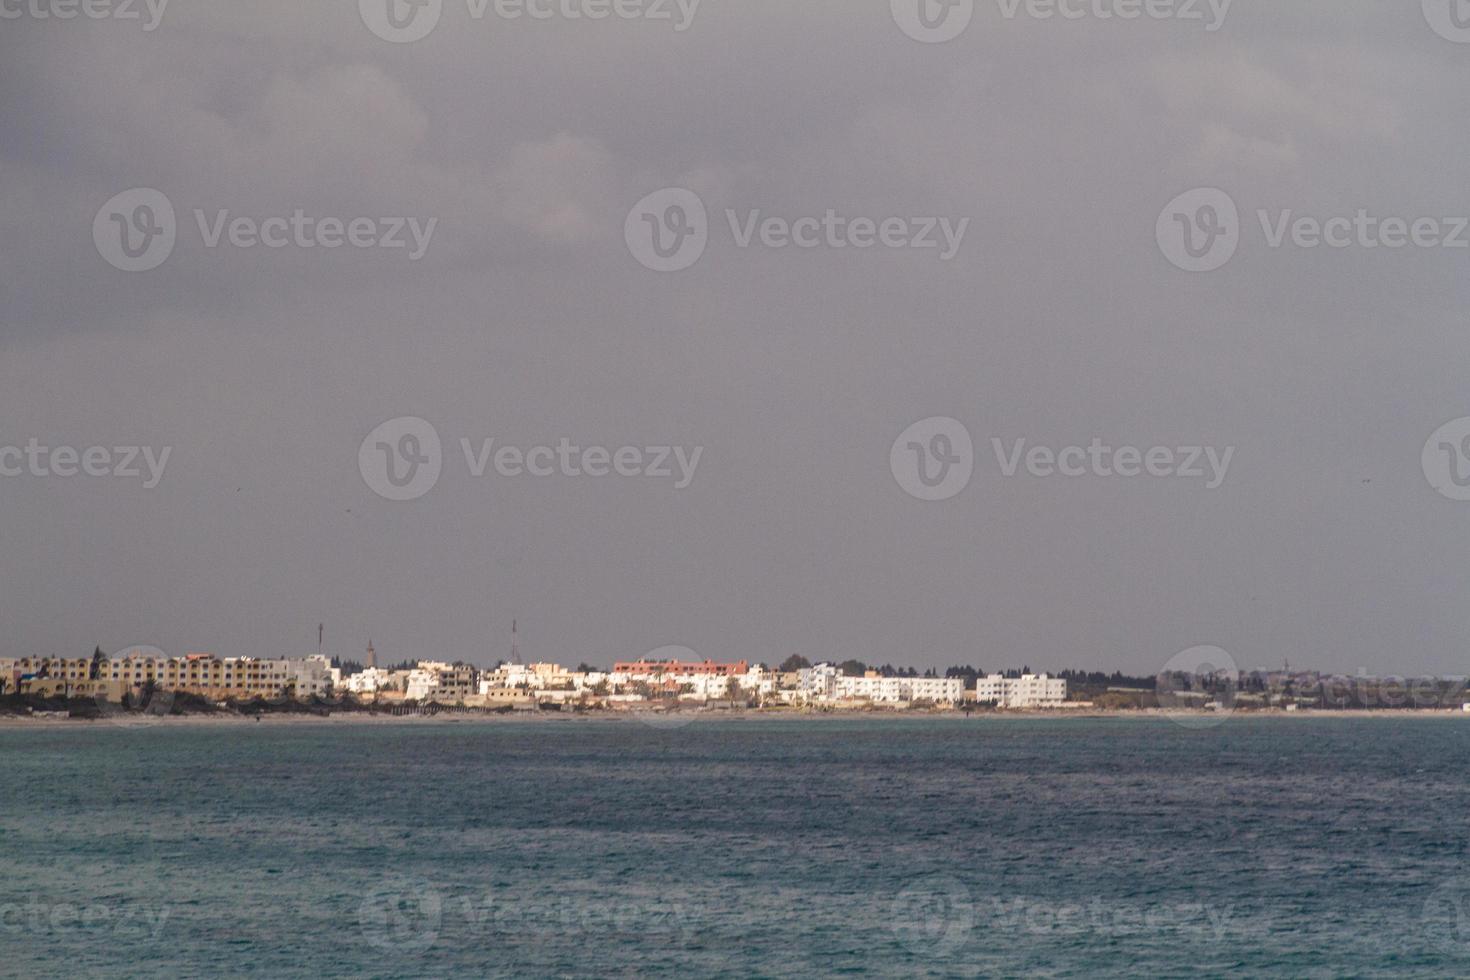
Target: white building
[371,681]
[894,690]
[1026,691]
[817,683]
[312,676]
[530,677]
[422,684]
[825,682]
[950,689]
[449,683]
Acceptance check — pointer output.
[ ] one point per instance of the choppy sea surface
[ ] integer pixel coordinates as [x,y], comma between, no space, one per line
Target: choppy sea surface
[956,847]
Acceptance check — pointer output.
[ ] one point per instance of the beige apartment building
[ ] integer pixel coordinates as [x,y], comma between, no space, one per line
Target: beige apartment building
[202,674]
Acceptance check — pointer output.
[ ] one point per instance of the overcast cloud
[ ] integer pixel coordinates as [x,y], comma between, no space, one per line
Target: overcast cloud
[527,319]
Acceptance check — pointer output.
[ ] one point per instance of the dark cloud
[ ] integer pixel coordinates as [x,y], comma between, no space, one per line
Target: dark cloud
[527,321]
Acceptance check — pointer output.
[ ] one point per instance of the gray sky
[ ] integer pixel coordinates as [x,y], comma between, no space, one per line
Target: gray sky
[528,319]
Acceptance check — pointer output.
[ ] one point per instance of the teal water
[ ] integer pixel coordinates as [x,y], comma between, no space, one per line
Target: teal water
[1063,848]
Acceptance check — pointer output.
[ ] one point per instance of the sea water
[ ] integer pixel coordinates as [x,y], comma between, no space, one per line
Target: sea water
[1293,847]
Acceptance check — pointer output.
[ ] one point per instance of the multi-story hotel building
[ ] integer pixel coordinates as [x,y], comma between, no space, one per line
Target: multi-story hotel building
[825,682]
[875,687]
[1026,691]
[198,673]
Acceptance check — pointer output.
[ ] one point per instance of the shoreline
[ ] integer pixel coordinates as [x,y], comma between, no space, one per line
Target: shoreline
[674,721]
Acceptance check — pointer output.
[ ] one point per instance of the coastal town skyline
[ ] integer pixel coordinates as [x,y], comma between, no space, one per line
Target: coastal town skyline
[1195,659]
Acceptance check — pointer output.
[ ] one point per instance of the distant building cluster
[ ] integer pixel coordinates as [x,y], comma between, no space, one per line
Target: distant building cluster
[514,685]
[240,678]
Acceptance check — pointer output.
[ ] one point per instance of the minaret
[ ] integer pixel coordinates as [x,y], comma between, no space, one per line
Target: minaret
[515,646]
[372,655]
